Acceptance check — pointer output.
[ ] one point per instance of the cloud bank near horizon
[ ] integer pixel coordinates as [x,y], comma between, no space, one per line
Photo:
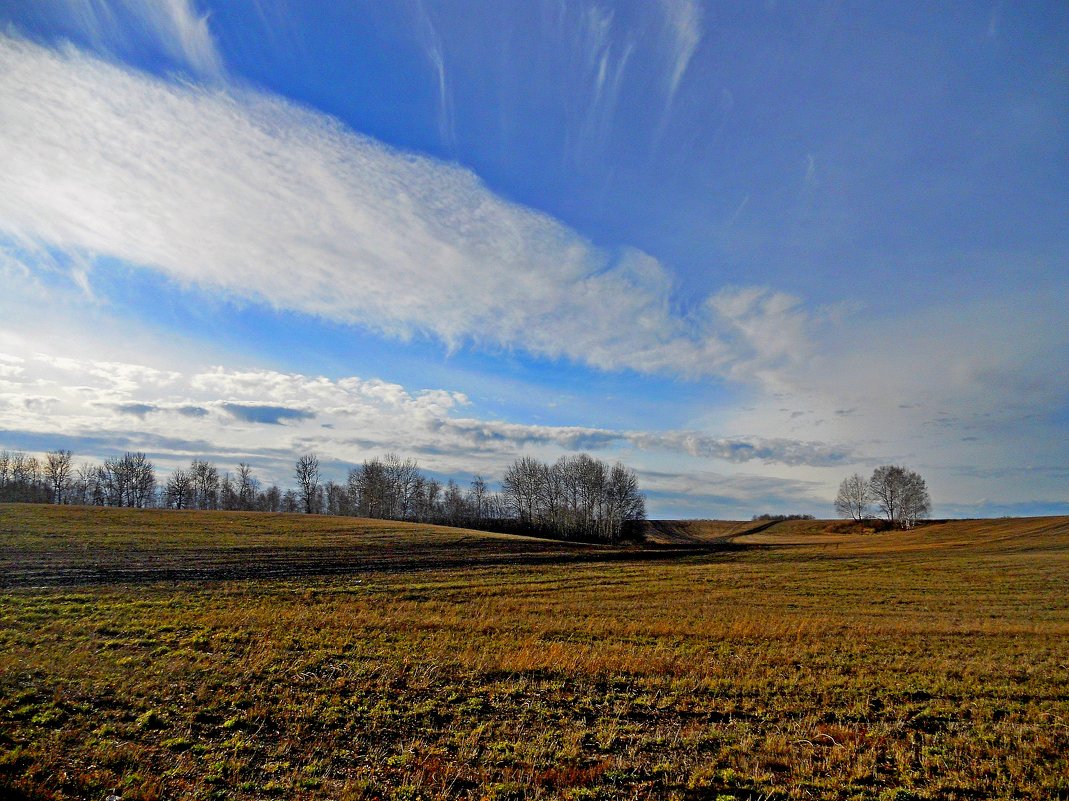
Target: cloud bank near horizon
[267,418]
[344,417]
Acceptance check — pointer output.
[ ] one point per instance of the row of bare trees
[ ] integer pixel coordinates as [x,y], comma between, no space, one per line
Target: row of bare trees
[577,497]
[128,480]
[392,488]
[23,478]
[202,486]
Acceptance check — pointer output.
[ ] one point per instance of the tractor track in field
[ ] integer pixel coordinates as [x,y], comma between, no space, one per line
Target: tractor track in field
[42,569]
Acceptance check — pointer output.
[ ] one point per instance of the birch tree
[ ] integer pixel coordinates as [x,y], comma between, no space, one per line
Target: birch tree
[855,495]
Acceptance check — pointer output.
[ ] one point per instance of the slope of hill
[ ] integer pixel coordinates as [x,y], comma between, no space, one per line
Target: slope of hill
[42,545]
[978,536]
[693,532]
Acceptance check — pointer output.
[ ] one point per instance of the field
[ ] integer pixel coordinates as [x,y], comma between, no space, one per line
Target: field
[214,655]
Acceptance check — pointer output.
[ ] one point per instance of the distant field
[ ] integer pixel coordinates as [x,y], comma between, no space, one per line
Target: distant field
[787,663]
[695,532]
[999,535]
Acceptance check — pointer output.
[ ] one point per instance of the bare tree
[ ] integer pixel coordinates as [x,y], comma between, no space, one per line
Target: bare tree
[523,484]
[855,495]
[205,484]
[370,488]
[425,505]
[916,502]
[24,478]
[178,492]
[85,487]
[113,479]
[307,474]
[142,479]
[454,507]
[352,489]
[270,500]
[900,494]
[432,499]
[247,486]
[58,472]
[336,497]
[624,501]
[228,493]
[289,502]
[127,481]
[477,493]
[403,478]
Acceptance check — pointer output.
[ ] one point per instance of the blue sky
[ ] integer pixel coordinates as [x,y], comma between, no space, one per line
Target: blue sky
[746,248]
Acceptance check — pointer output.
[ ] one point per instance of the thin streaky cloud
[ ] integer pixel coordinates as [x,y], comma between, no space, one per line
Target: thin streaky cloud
[683,31]
[683,22]
[605,63]
[432,46]
[191,39]
[176,27]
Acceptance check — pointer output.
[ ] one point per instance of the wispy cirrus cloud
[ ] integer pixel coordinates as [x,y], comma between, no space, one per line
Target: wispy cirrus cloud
[683,21]
[248,194]
[431,43]
[175,28]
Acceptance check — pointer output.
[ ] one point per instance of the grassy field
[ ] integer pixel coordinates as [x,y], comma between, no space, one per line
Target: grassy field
[408,662]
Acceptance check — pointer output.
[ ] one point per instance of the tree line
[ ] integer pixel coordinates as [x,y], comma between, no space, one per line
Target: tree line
[129,480]
[896,493]
[577,497]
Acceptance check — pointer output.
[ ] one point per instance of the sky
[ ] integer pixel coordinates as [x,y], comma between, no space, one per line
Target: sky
[748,249]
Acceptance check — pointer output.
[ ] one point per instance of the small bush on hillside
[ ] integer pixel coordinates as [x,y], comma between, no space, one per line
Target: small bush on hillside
[869,525]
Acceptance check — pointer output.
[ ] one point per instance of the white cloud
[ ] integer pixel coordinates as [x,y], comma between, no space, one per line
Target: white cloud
[175,27]
[249,194]
[347,419]
[118,376]
[942,389]
[431,43]
[776,450]
[714,488]
[599,55]
[185,31]
[683,23]
[942,393]
[661,42]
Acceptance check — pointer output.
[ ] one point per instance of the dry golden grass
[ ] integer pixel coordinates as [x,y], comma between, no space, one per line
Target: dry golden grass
[993,535]
[52,545]
[31,527]
[868,667]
